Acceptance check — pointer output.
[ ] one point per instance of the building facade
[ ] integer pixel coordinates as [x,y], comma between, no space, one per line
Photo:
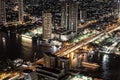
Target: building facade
[20,12]
[64,63]
[69,17]
[64,17]
[83,15]
[47,26]
[2,12]
[49,60]
[73,15]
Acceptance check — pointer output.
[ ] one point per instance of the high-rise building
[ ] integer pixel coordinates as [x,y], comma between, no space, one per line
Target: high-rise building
[118,7]
[20,3]
[64,63]
[47,26]
[83,15]
[2,11]
[69,16]
[49,60]
[73,15]
[64,17]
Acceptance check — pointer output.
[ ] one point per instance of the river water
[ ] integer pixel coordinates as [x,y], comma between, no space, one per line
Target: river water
[13,46]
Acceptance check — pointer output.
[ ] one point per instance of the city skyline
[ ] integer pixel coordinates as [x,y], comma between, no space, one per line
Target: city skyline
[59,39]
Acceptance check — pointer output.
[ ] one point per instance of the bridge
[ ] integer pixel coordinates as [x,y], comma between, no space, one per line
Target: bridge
[86,41]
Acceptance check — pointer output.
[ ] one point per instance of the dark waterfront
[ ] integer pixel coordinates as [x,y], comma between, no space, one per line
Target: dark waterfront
[109,67]
[12,47]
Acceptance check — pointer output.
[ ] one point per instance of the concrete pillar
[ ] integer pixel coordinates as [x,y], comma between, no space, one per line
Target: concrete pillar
[85,57]
[71,59]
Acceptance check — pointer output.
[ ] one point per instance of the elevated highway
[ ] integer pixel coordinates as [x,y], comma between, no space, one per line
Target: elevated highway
[86,41]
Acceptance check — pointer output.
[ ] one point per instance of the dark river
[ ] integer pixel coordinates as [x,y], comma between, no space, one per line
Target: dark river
[109,67]
[13,46]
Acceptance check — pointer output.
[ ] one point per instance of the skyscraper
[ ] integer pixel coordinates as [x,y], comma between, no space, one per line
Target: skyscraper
[2,11]
[69,18]
[64,17]
[64,63]
[20,3]
[47,26]
[83,15]
[73,15]
[49,60]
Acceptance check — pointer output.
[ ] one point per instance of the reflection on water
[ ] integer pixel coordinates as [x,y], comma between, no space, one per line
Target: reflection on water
[4,42]
[26,47]
[13,46]
[111,67]
[105,61]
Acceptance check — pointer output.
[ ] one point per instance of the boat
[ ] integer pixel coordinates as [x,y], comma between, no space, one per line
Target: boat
[90,65]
